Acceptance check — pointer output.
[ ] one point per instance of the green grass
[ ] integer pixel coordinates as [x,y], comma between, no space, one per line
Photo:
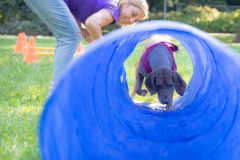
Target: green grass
[24,88]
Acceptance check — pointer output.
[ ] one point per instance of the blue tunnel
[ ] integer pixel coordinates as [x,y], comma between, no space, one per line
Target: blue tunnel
[90,115]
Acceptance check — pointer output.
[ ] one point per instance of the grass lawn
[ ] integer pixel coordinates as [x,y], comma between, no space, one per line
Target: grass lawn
[24,88]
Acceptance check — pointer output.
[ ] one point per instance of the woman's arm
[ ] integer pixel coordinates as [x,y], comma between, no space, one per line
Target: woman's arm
[96,21]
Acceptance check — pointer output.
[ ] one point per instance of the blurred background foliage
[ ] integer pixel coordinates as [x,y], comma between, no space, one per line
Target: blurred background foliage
[208,15]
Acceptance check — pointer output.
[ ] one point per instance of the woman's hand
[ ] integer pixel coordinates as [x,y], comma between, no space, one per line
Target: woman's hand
[86,36]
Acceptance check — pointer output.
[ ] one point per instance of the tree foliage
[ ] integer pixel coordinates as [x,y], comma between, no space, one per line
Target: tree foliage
[172,4]
[15,15]
[233,2]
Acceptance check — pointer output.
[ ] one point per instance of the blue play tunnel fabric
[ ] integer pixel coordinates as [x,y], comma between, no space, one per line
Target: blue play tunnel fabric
[90,115]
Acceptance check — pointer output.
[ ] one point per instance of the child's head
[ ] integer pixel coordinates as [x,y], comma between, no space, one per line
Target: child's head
[132,11]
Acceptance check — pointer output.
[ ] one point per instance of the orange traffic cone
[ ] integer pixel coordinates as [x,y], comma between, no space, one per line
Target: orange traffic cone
[30,55]
[80,48]
[21,43]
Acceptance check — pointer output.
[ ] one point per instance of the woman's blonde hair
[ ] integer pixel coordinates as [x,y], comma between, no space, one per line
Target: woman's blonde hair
[142,4]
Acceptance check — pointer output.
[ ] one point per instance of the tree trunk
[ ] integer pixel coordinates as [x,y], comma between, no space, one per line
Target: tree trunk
[237,38]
